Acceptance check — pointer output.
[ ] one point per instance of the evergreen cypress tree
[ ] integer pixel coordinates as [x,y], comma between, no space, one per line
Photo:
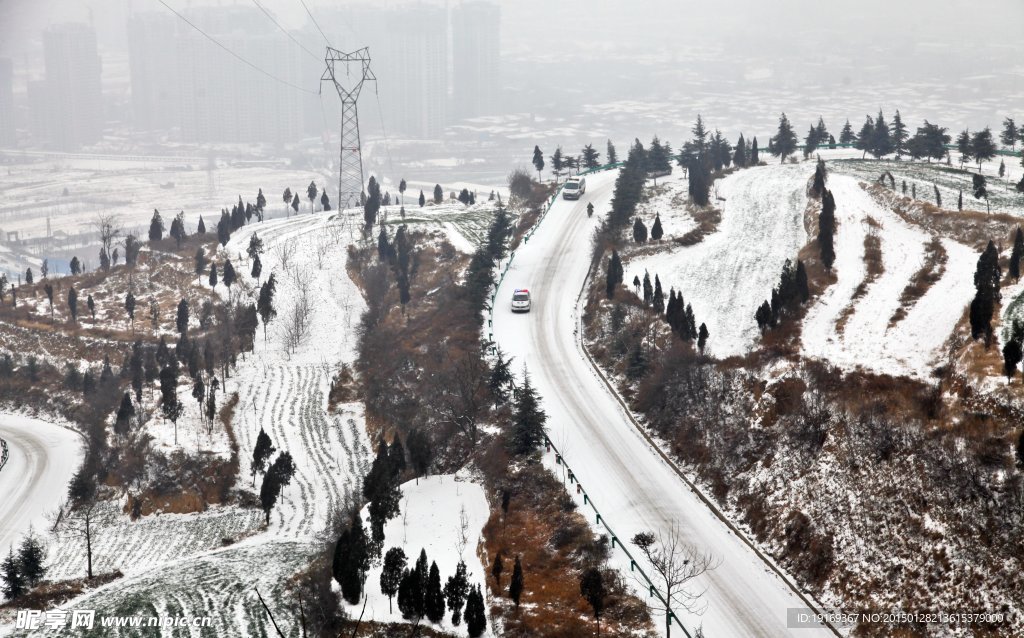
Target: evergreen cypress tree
[423,199]
[656,230]
[438,194]
[754,159]
[455,591]
[156,227]
[639,231]
[529,419]
[476,619]
[702,337]
[986,283]
[391,573]
[515,588]
[124,414]
[1016,254]
[593,590]
[614,274]
[802,290]
[261,454]
[497,567]
[1012,350]
[739,157]
[983,146]
[648,289]
[784,143]
[658,301]
[963,145]
[611,154]
[434,602]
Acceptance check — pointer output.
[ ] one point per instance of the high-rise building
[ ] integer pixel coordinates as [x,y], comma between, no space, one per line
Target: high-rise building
[182,79]
[6,103]
[476,45]
[68,104]
[153,70]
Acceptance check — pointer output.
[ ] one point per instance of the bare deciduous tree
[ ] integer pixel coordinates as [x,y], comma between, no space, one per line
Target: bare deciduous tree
[675,564]
[108,228]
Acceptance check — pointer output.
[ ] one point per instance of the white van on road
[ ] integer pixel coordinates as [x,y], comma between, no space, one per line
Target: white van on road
[574,187]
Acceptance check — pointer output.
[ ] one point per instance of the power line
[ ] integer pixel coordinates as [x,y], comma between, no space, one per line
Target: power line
[240,58]
[287,33]
[315,23]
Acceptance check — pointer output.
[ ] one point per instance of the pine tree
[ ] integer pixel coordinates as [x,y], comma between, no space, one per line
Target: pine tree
[257,268]
[881,138]
[31,555]
[410,595]
[739,157]
[538,160]
[73,304]
[422,200]
[295,203]
[614,274]
[529,419]
[986,283]
[515,588]
[277,477]
[820,175]
[590,157]
[229,274]
[438,194]
[497,567]
[639,231]
[784,143]
[14,584]
[865,139]
[593,590]
[181,321]
[656,230]
[434,601]
[983,146]
[156,227]
[702,337]
[960,200]
[613,157]
[391,573]
[421,454]
[1010,134]
[963,145]
[455,591]
[899,135]
[847,136]
[1012,350]
[265,302]
[1016,254]
[476,619]
[648,289]
[658,301]
[124,414]
[261,454]
[754,159]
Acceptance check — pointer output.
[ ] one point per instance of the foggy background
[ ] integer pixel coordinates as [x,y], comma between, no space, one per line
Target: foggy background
[121,105]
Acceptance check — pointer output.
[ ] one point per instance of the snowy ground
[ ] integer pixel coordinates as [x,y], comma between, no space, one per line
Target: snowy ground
[432,519]
[913,346]
[42,457]
[727,276]
[630,483]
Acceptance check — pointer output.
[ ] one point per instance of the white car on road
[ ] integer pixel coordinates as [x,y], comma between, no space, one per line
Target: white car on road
[521,300]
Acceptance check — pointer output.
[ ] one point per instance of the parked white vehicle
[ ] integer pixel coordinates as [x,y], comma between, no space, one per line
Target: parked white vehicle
[574,187]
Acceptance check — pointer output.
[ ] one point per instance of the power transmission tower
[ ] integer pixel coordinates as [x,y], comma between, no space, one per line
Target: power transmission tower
[348,72]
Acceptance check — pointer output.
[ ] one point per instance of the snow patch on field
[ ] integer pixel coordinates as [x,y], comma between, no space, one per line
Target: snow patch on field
[914,345]
[431,519]
[727,276]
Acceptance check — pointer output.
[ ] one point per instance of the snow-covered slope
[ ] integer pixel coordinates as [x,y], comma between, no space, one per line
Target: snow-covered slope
[624,475]
[912,346]
[727,276]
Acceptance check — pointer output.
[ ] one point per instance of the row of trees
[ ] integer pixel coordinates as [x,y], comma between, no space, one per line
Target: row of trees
[787,296]
[588,159]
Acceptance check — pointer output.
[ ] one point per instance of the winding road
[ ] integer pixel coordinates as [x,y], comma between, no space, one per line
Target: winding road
[42,459]
[631,483]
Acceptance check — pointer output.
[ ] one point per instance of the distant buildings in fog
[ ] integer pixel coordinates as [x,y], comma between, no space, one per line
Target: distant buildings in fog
[66,106]
[476,44]
[6,103]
